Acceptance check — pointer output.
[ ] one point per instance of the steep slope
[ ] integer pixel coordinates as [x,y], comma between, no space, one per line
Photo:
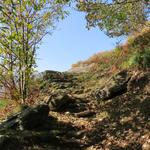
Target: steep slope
[124,56]
[108,118]
[106,107]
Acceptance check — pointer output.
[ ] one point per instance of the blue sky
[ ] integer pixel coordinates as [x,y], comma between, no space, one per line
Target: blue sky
[71,42]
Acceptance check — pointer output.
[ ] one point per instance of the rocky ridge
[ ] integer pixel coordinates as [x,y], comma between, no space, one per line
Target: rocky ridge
[114,116]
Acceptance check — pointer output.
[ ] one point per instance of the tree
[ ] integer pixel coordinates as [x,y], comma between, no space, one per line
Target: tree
[116,17]
[23,24]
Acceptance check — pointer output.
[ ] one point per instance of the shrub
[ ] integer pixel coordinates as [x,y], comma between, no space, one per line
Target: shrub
[140,59]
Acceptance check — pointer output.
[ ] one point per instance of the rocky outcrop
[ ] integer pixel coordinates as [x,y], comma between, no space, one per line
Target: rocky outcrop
[28,119]
[124,82]
[138,81]
[68,121]
[62,102]
[56,76]
[115,87]
[32,118]
[61,82]
[34,126]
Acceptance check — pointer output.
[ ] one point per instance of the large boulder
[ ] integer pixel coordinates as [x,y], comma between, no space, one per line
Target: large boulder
[62,102]
[33,117]
[34,127]
[28,119]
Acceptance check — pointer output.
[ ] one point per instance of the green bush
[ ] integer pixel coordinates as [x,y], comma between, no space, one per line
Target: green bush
[146,58]
[140,59]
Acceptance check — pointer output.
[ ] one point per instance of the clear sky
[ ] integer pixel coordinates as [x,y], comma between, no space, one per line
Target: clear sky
[71,42]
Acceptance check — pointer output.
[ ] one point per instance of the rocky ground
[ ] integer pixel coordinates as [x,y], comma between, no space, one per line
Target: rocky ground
[110,115]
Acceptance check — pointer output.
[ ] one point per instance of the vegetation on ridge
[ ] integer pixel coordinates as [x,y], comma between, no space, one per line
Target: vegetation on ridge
[134,53]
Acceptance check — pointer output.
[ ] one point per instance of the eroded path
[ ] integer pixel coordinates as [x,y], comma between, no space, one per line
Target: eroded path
[112,117]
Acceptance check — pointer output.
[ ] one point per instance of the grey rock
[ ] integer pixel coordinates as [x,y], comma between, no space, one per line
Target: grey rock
[33,117]
[117,86]
[62,102]
[11,122]
[55,76]
[28,119]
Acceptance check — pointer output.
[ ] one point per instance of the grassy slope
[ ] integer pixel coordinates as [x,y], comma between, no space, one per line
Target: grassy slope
[120,57]
[120,123]
[101,66]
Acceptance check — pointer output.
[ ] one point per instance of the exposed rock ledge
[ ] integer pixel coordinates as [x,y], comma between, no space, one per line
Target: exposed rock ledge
[34,127]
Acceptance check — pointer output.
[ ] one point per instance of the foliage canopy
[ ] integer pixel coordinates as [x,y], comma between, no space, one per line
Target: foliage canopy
[116,17]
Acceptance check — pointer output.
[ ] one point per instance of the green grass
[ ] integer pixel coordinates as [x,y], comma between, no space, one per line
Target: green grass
[3,103]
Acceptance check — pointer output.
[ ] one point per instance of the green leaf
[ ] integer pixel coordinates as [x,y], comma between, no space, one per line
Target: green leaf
[29,26]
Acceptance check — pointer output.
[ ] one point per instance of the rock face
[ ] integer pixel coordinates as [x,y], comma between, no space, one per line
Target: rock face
[34,126]
[121,83]
[67,121]
[61,82]
[55,76]
[116,86]
[61,102]
[29,119]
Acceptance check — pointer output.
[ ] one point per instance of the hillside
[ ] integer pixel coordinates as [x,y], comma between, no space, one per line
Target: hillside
[122,57]
[103,107]
[134,54]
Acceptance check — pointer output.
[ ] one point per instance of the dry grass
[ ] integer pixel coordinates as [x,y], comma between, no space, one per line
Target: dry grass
[8,107]
[118,58]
